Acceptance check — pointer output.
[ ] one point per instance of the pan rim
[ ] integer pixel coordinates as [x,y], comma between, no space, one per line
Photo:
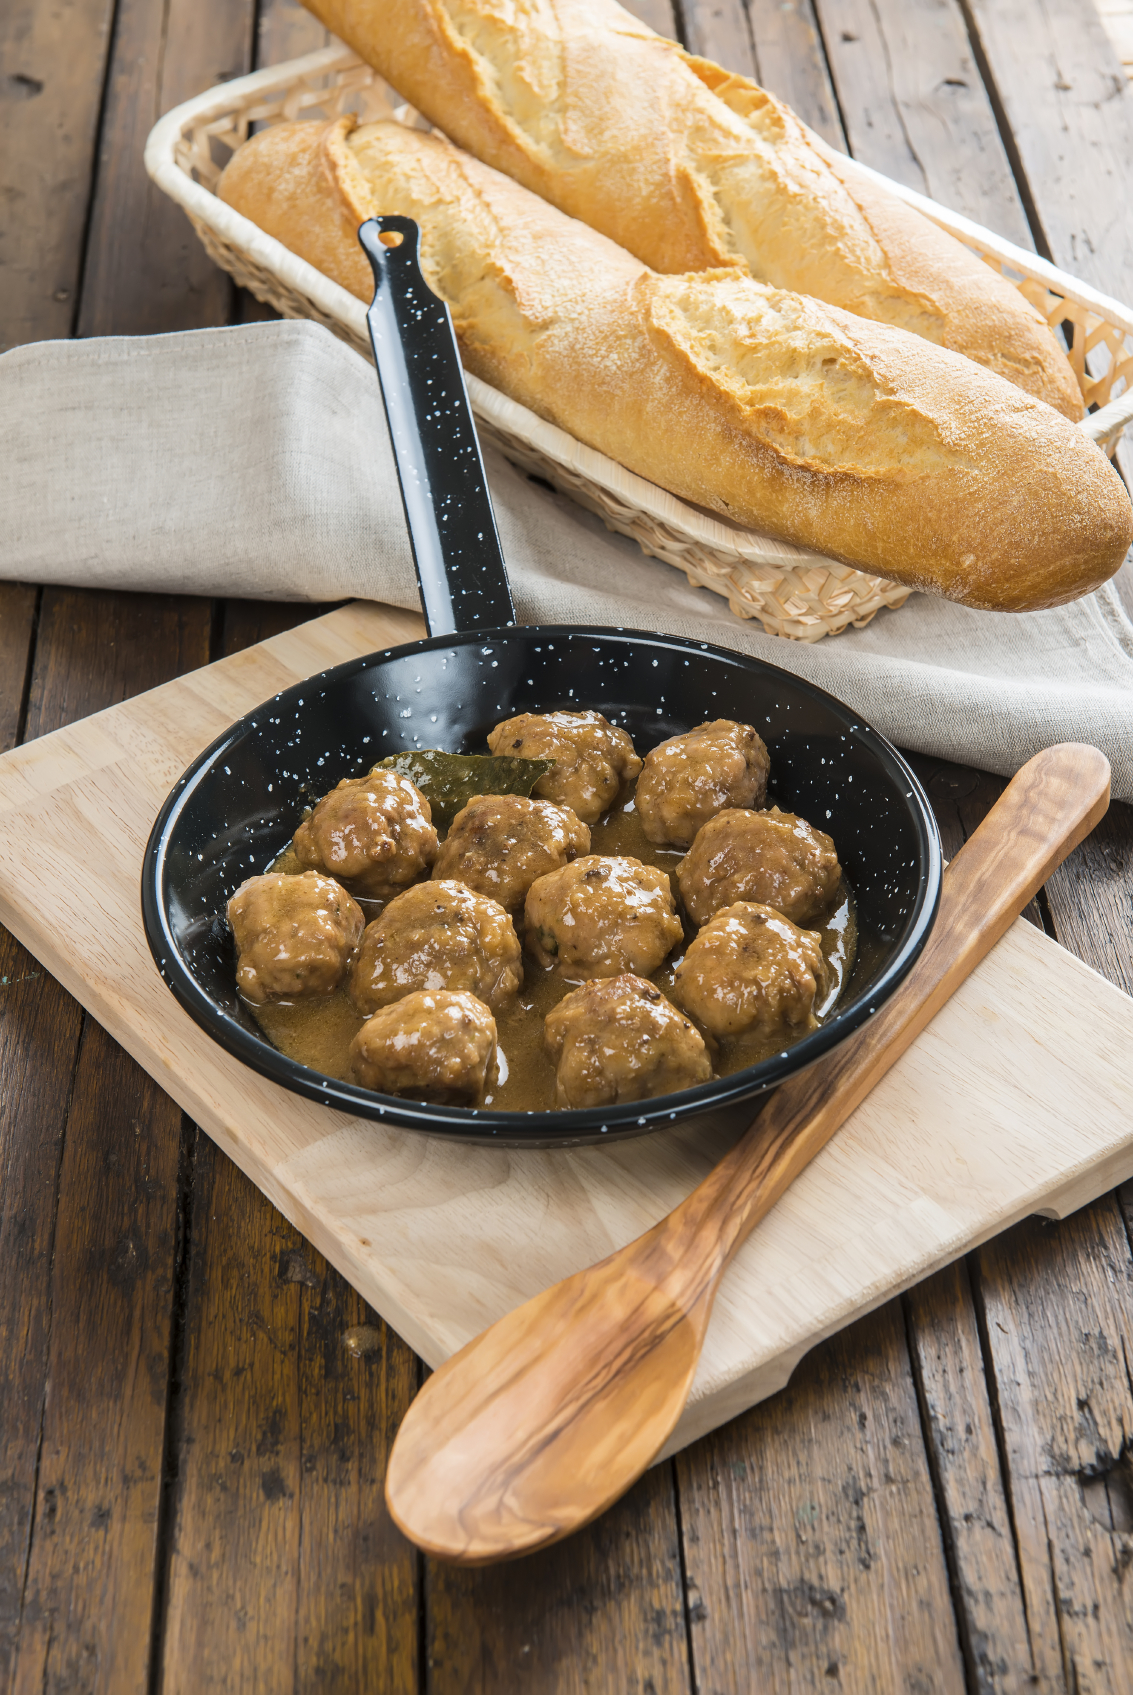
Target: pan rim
[568,1127]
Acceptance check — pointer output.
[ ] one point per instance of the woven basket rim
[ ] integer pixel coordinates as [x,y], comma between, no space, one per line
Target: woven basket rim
[623,497]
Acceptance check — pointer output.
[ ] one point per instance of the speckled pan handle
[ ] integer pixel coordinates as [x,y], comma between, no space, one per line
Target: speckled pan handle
[452,529]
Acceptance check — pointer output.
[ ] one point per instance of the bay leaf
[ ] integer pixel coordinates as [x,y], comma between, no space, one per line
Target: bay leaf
[448,781]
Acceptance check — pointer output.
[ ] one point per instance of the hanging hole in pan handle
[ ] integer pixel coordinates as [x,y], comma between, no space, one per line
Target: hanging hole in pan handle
[448,511]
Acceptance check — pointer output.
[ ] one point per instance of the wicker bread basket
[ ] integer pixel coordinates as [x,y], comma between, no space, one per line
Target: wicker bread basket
[791,591]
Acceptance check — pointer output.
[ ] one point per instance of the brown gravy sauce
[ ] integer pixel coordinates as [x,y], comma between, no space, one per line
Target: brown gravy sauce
[319,1032]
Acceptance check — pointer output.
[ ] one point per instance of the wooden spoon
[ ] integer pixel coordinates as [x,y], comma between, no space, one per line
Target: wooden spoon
[540,1423]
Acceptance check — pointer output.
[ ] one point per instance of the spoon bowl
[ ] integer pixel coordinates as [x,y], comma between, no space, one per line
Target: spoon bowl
[565,1444]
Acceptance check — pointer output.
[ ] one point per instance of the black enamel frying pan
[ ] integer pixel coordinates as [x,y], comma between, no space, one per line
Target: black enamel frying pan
[237,806]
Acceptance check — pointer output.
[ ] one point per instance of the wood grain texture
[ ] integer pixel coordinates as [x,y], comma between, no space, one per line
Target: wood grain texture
[100,1240]
[146,270]
[86,1280]
[17,624]
[1060,90]
[87,1594]
[791,64]
[812,1548]
[97,648]
[39,1041]
[1091,900]
[719,30]
[604,1611]
[961,799]
[1065,1412]
[284,30]
[914,105]
[51,72]
[244,623]
[1069,110]
[1001,1652]
[285,1569]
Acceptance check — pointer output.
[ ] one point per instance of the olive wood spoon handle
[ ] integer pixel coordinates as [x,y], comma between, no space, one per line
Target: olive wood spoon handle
[544,1420]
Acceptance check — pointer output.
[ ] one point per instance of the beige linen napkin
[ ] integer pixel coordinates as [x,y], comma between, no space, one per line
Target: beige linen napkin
[255,461]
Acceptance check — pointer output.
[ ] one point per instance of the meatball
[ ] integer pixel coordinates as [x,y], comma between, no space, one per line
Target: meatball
[751,972]
[599,917]
[592,757]
[619,1039]
[438,936]
[433,1046]
[374,832]
[689,779]
[295,936]
[499,844]
[773,858]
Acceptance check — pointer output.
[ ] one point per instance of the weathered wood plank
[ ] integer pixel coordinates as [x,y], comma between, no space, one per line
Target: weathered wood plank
[790,63]
[1057,1302]
[1091,898]
[146,271]
[96,648]
[234,1568]
[719,30]
[39,1041]
[286,30]
[358,1602]
[952,1388]
[286,1572]
[812,1548]
[1070,111]
[961,799]
[949,787]
[88,1590]
[86,1294]
[17,624]
[316,1409]
[852,30]
[1040,1571]
[914,105]
[243,623]
[1000,1652]
[603,1610]
[51,71]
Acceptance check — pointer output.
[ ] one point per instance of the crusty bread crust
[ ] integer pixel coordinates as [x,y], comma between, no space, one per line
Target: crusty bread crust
[779,411]
[691,168]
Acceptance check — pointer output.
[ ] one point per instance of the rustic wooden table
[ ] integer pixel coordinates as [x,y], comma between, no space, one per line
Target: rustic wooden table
[196,1410]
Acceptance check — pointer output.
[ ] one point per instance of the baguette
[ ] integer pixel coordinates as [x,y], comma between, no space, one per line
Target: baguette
[783,413]
[690,168]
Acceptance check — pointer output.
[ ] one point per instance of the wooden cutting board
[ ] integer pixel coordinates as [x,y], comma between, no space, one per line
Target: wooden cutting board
[1018,1098]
